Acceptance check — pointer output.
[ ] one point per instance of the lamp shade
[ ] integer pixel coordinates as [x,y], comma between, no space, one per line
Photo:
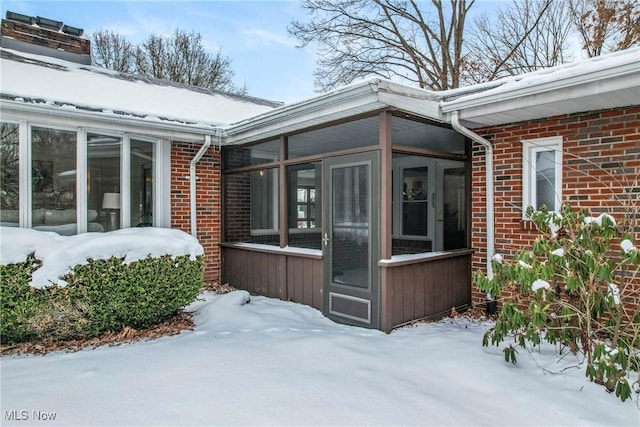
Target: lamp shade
[111,201]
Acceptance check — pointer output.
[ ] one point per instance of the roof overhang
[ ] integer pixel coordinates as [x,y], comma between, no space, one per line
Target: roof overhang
[577,87]
[52,114]
[356,99]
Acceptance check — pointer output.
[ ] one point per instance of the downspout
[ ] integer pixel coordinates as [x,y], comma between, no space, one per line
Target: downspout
[192,183]
[455,122]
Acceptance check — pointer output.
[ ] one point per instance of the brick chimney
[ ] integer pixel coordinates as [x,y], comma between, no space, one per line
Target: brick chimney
[43,36]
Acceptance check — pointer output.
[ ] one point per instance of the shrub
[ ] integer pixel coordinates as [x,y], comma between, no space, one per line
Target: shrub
[574,287]
[100,296]
[18,300]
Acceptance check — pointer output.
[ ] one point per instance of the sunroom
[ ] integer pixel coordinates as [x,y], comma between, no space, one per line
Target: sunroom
[355,202]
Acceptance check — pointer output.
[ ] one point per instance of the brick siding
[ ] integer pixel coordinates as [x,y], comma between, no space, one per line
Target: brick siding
[208,199]
[44,37]
[601,170]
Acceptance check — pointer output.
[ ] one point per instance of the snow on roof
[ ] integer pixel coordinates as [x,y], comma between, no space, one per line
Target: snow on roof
[580,70]
[57,83]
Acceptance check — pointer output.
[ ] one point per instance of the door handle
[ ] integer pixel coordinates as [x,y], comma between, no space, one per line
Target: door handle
[325,239]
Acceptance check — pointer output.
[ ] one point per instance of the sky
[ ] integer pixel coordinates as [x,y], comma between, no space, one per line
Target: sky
[252,33]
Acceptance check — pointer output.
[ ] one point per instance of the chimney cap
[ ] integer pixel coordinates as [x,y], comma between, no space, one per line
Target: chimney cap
[19,17]
[72,31]
[49,23]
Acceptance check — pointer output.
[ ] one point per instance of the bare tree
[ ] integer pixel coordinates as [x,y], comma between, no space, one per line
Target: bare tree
[387,38]
[524,36]
[606,25]
[181,58]
[113,51]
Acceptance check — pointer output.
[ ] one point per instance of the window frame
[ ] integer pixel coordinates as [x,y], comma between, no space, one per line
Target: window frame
[275,195]
[413,162]
[162,159]
[530,148]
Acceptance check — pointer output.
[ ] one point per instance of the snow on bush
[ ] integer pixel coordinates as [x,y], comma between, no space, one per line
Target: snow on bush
[59,254]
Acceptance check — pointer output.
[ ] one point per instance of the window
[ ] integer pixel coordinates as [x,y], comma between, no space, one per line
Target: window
[53,179]
[415,201]
[78,180]
[542,173]
[304,212]
[103,181]
[9,178]
[141,177]
[429,204]
[251,207]
[413,192]
[265,152]
[264,201]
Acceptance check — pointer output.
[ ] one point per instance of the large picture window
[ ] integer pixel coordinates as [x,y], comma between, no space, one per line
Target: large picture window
[103,181]
[542,173]
[78,180]
[141,176]
[53,179]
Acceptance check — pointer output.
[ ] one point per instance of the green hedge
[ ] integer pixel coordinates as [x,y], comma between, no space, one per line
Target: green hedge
[100,296]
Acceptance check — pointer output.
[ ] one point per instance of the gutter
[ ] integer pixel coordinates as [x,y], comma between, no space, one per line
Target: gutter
[455,122]
[192,183]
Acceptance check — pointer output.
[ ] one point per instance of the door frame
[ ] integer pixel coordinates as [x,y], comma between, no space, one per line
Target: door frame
[342,294]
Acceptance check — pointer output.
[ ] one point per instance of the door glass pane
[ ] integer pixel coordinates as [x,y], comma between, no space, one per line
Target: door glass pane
[454,208]
[350,226]
[545,179]
[9,177]
[53,180]
[142,178]
[103,182]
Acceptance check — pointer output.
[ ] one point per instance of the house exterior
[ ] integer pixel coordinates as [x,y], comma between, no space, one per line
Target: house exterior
[373,203]
[86,149]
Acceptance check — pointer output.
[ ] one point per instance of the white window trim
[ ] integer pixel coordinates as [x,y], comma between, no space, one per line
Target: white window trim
[529,149]
[162,179]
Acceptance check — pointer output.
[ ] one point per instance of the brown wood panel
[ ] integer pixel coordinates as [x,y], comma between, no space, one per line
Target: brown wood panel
[282,278]
[420,291]
[318,281]
[425,289]
[398,297]
[430,289]
[410,284]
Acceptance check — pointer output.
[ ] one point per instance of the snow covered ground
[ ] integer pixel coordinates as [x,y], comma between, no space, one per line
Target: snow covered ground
[271,362]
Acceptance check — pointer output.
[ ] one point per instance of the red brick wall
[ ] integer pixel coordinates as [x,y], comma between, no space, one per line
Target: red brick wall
[208,197]
[45,37]
[601,167]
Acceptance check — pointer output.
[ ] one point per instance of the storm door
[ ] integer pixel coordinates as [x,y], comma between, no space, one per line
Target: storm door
[350,238]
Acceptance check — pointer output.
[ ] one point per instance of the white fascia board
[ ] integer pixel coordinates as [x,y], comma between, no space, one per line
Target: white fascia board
[593,95]
[545,91]
[74,117]
[349,101]
[359,98]
[428,109]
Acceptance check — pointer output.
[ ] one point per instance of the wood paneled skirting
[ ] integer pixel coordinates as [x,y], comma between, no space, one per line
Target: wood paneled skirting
[285,275]
[424,288]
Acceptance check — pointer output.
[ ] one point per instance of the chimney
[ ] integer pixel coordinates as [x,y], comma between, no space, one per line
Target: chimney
[43,36]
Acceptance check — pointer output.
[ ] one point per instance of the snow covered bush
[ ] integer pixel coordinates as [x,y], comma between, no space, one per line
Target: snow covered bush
[577,287]
[82,286]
